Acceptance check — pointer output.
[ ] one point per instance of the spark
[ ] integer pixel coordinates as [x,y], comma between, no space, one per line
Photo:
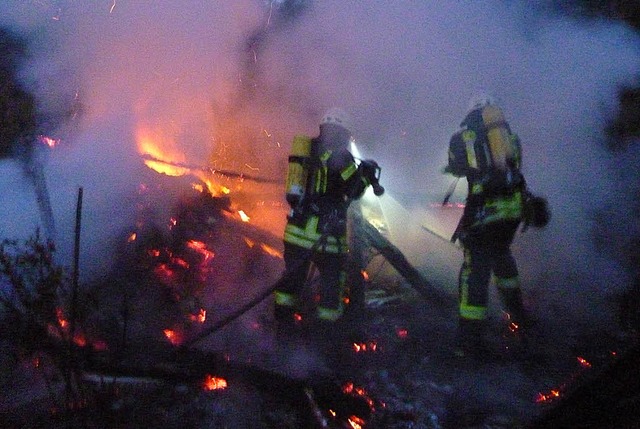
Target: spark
[270,12]
[267,133]
[113,6]
[251,168]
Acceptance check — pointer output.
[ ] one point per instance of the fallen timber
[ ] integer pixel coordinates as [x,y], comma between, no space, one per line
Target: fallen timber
[364,230]
[163,364]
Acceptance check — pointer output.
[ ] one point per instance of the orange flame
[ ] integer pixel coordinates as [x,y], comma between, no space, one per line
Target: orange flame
[214,383]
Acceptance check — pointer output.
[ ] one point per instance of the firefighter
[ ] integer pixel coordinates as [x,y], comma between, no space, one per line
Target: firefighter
[322,180]
[488,154]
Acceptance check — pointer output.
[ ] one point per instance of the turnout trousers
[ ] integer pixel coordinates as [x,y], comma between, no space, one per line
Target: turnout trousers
[487,253]
[322,299]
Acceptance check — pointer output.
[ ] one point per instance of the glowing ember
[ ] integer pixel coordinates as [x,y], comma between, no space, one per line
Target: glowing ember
[49,141]
[271,251]
[61,320]
[365,275]
[172,336]
[356,422]
[200,317]
[402,333]
[163,271]
[214,383]
[132,237]
[548,397]
[350,389]
[201,248]
[584,362]
[370,346]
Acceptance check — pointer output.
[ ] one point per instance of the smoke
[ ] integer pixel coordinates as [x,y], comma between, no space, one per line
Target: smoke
[230,83]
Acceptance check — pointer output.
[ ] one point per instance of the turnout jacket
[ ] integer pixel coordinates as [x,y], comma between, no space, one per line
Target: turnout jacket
[334,180]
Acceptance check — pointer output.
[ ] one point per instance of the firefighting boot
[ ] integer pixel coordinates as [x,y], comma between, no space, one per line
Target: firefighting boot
[470,340]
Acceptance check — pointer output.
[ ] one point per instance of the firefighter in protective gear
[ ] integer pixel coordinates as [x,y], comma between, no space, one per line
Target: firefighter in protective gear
[322,180]
[488,154]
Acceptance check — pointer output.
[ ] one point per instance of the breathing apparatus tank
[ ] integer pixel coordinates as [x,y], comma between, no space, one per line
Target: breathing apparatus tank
[297,174]
[499,138]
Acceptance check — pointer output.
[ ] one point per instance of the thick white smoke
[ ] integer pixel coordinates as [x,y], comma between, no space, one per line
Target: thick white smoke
[214,78]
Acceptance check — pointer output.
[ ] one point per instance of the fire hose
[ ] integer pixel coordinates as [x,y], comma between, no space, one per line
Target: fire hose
[257,300]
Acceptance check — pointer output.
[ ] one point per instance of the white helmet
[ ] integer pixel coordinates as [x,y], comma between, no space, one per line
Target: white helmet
[337,116]
[480,100]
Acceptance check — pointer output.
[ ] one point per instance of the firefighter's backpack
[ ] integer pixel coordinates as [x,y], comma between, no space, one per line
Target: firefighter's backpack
[298,169]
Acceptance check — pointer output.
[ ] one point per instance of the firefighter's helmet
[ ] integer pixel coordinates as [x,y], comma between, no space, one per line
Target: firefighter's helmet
[481,100]
[337,116]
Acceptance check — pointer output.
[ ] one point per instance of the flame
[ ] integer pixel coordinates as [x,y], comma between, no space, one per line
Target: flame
[155,147]
[214,383]
[147,145]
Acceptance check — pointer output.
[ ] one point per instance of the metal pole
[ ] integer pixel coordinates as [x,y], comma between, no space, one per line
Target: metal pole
[76,259]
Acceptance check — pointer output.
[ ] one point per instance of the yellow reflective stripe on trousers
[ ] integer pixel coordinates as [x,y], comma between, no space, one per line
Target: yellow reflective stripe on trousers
[471,312]
[307,237]
[467,311]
